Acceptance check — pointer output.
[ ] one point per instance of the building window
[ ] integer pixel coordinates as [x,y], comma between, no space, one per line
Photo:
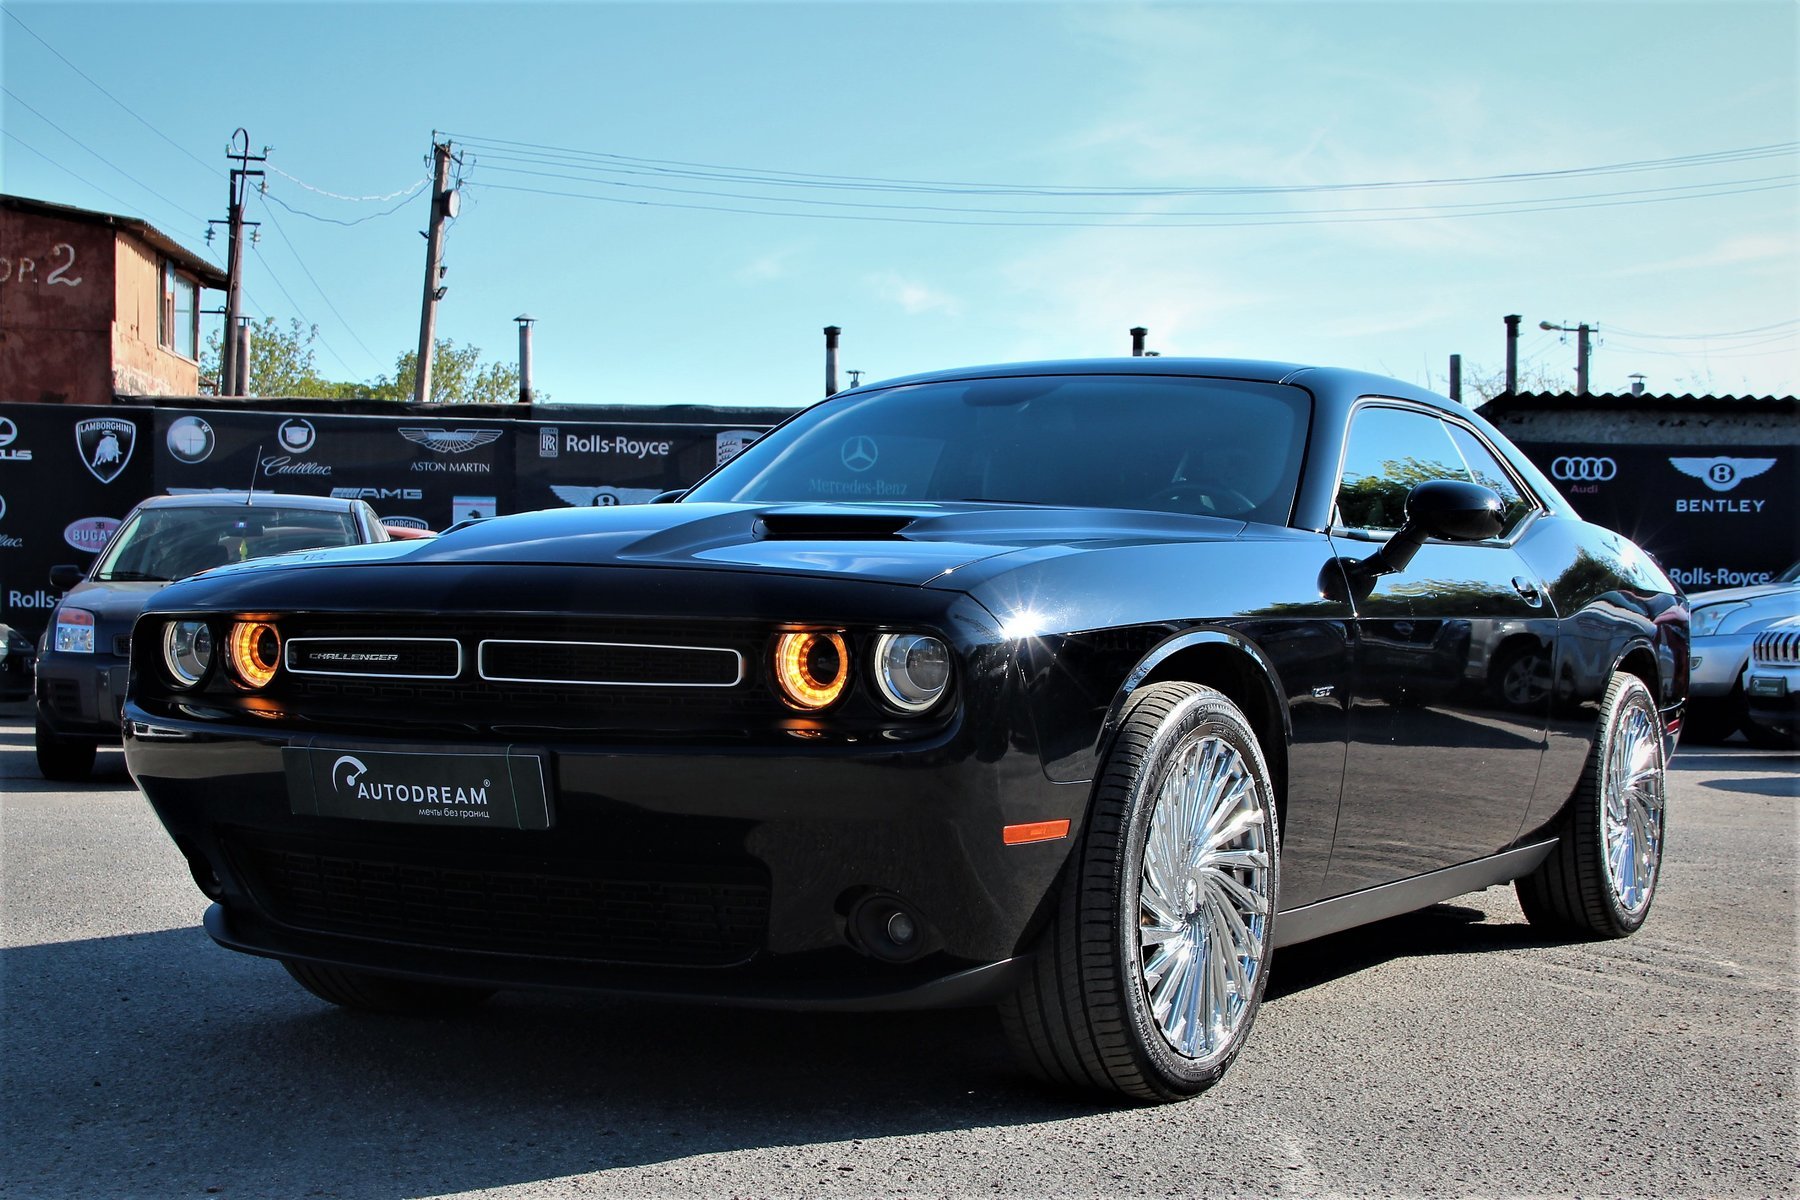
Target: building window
[178,317]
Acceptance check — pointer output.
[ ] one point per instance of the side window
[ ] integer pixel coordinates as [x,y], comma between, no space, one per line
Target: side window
[1389,451]
[1487,470]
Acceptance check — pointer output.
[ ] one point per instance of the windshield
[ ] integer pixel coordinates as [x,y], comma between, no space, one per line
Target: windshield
[160,544]
[1214,447]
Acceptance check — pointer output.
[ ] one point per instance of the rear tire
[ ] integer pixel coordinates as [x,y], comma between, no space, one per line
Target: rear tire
[369,992]
[1151,971]
[63,759]
[1600,879]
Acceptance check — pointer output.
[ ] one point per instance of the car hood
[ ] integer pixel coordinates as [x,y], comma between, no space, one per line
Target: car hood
[1757,591]
[899,543]
[112,603]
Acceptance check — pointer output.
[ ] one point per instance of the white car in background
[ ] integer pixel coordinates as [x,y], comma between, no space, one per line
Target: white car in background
[1772,686]
[1726,623]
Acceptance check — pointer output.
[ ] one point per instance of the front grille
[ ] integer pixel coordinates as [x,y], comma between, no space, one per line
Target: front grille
[631,664]
[122,645]
[696,917]
[1777,648]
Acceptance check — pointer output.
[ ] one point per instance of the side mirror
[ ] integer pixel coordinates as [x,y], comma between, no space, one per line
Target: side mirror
[668,497]
[66,576]
[1447,509]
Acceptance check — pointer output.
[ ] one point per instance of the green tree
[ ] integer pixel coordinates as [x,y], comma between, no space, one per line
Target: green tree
[458,376]
[282,362]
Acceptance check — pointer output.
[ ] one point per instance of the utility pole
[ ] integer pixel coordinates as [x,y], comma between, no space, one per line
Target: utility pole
[1584,349]
[229,369]
[444,206]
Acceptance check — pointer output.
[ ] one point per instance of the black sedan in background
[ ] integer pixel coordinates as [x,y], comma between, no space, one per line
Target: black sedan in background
[1073,687]
[81,662]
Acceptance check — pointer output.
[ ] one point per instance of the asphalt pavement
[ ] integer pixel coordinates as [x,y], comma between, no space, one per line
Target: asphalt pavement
[1450,1052]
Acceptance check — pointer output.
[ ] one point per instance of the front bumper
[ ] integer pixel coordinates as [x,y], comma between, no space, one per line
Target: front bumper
[736,873]
[1772,698]
[1716,663]
[80,695]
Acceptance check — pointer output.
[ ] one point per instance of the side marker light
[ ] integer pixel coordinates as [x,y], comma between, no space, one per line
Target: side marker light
[1035,831]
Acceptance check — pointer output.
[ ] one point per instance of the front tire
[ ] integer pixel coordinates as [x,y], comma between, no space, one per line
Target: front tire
[1152,969]
[63,759]
[369,992]
[1600,879]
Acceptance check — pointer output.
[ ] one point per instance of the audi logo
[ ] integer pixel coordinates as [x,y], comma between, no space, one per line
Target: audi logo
[1583,470]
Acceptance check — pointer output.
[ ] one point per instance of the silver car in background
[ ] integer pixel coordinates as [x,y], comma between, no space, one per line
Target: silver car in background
[1725,626]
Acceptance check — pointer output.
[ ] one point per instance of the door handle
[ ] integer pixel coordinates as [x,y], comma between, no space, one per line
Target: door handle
[1534,596]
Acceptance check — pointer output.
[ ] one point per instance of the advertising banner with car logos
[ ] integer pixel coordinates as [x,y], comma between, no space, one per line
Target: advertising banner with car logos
[1714,517]
[69,474]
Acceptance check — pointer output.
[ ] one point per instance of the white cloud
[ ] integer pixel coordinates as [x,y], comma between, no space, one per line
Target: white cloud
[913,296]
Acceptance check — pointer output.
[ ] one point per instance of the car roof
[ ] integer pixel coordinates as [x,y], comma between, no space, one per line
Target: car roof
[255,500]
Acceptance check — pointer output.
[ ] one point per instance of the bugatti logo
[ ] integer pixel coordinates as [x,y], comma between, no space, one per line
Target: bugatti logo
[1583,470]
[296,435]
[346,779]
[1721,474]
[859,453]
[90,533]
[105,445]
[190,439]
[450,441]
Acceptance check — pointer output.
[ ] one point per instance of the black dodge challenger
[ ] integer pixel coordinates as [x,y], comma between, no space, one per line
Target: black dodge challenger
[1075,687]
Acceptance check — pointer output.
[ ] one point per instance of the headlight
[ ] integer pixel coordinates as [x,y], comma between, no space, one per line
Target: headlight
[1707,620]
[811,668]
[74,631]
[187,651]
[911,670]
[253,650]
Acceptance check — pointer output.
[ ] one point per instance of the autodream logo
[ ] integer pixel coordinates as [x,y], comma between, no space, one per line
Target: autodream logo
[9,433]
[350,777]
[1573,469]
[343,780]
[105,445]
[190,440]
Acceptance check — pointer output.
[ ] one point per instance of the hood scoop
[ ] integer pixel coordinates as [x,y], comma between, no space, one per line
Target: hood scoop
[825,525]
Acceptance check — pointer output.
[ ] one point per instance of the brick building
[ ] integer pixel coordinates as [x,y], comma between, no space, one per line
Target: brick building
[94,305]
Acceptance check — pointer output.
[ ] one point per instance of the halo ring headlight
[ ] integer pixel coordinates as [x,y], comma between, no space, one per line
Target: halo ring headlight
[187,652]
[811,668]
[253,651]
[912,670]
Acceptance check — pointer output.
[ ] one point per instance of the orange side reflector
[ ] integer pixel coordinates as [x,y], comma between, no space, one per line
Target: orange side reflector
[1037,831]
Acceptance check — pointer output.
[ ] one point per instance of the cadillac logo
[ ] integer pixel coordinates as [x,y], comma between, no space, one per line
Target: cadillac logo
[296,435]
[105,445]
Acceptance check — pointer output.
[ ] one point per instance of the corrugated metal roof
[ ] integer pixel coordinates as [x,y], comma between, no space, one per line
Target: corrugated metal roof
[208,274]
[1513,402]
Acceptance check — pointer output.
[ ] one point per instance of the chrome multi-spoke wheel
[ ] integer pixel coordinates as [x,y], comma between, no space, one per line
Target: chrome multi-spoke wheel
[1631,807]
[1152,968]
[1204,896]
[1600,877]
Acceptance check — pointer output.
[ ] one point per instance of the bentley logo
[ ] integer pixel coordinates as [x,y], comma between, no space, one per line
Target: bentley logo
[357,769]
[1721,474]
[450,441]
[579,496]
[859,453]
[105,445]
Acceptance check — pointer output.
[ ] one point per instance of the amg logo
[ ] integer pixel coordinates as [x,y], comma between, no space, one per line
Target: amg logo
[378,493]
[344,656]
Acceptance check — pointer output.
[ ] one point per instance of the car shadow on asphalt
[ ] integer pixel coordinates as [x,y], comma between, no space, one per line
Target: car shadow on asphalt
[113,1042]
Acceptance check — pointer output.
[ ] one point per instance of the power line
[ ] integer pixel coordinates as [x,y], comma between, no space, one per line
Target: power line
[140,120]
[115,166]
[292,249]
[1703,337]
[313,325]
[123,203]
[295,179]
[300,212]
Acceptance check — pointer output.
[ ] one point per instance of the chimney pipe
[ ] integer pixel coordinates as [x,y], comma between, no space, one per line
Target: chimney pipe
[1138,333]
[240,386]
[1512,353]
[831,349]
[525,320]
[1456,378]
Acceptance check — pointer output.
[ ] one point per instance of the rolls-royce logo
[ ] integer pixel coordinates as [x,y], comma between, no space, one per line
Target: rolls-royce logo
[859,453]
[450,441]
[105,445]
[1569,469]
[346,780]
[1721,474]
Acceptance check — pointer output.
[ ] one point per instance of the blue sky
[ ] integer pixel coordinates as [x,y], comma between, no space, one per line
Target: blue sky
[643,302]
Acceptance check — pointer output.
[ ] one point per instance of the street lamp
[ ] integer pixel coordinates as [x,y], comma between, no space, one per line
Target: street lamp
[1583,348]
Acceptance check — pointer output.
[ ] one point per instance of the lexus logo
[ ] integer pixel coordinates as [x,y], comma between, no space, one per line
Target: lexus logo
[1583,470]
[859,453]
[1721,474]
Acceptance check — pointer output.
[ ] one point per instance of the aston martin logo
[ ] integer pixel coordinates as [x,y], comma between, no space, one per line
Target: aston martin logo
[1721,474]
[450,441]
